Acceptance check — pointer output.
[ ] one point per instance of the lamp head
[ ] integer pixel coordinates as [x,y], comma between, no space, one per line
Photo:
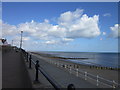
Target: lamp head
[21,31]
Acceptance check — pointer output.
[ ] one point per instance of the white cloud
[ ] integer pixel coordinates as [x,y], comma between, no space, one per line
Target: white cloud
[107,15]
[0,19]
[78,25]
[0,28]
[51,42]
[68,17]
[71,25]
[67,39]
[8,30]
[115,31]
[84,27]
[104,33]
[25,40]
[17,38]
[101,39]
[1,7]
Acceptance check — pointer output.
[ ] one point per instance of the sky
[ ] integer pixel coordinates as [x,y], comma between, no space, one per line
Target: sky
[62,26]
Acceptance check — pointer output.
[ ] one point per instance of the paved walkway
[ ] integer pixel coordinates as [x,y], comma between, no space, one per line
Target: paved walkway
[14,73]
[62,77]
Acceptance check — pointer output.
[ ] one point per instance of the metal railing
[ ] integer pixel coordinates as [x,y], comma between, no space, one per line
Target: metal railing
[98,80]
[38,69]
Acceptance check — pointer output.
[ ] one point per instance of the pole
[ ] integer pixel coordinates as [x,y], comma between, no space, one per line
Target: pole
[36,67]
[12,42]
[85,75]
[27,57]
[97,80]
[30,61]
[77,72]
[71,87]
[21,40]
[113,84]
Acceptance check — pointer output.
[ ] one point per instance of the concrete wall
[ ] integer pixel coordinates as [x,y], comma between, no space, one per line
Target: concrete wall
[0,67]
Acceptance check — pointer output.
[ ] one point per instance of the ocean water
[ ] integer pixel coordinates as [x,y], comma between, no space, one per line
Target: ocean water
[98,59]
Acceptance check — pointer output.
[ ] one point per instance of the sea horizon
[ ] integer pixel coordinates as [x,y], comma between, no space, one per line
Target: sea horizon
[75,51]
[94,58]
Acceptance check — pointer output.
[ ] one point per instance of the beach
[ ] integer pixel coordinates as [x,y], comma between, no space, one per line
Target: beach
[104,73]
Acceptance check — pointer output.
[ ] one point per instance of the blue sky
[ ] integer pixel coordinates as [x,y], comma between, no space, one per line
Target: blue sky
[15,16]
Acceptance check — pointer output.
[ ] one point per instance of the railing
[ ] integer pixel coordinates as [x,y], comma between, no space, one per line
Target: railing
[38,69]
[56,86]
[100,81]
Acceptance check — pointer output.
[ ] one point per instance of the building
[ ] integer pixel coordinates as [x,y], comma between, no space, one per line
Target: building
[3,42]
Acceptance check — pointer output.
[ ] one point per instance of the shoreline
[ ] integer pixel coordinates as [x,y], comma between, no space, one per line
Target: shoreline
[97,66]
[101,72]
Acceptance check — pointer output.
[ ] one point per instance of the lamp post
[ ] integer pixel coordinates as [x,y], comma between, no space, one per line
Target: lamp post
[12,42]
[21,40]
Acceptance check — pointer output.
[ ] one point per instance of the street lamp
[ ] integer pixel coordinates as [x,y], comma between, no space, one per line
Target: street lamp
[12,43]
[21,40]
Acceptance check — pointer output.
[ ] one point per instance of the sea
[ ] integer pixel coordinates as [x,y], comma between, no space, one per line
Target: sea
[97,59]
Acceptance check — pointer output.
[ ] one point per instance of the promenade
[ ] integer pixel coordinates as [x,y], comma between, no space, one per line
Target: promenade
[17,74]
[14,73]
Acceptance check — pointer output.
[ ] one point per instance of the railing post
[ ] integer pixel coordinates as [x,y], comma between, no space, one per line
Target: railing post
[77,72]
[37,67]
[65,66]
[71,87]
[70,69]
[97,80]
[85,75]
[27,57]
[58,63]
[113,84]
[30,61]
[61,65]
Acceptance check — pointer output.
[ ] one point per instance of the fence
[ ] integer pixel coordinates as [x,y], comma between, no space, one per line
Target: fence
[98,80]
[38,69]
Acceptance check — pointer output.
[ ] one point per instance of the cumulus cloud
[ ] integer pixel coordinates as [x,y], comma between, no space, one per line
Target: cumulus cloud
[51,42]
[104,33]
[84,27]
[115,31]
[107,15]
[101,39]
[0,28]
[71,25]
[68,17]
[0,19]
[79,25]
[0,6]
[8,30]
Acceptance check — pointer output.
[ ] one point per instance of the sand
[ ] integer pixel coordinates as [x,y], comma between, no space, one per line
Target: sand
[101,72]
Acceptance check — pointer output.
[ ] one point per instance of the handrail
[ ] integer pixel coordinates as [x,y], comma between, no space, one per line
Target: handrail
[33,61]
[97,78]
[94,77]
[53,82]
[50,79]
[40,69]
